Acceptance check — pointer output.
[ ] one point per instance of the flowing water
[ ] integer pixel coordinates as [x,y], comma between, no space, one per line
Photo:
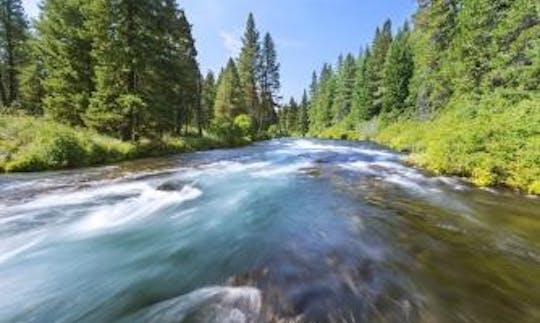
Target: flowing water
[281,231]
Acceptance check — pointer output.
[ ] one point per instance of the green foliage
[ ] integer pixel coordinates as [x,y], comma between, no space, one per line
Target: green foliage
[64,43]
[345,78]
[13,39]
[249,66]
[492,141]
[34,144]
[374,73]
[126,69]
[208,98]
[30,144]
[229,97]
[398,71]
[269,82]
[322,100]
[460,91]
[245,125]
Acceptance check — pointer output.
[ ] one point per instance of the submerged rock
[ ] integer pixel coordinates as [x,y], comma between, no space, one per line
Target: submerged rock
[311,171]
[172,186]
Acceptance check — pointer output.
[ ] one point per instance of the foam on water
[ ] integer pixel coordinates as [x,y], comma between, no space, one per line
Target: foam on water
[148,203]
[210,304]
[310,146]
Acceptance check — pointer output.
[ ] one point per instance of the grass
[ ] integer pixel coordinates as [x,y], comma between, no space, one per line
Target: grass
[35,144]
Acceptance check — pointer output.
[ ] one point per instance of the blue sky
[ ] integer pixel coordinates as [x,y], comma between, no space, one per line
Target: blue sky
[307,32]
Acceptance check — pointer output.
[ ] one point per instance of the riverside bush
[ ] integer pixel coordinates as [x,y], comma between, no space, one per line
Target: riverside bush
[34,144]
[30,144]
[493,141]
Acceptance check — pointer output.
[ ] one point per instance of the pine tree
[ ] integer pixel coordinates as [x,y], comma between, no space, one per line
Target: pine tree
[147,76]
[435,28]
[398,70]
[229,101]
[361,98]
[208,98]
[269,82]
[190,83]
[375,68]
[303,117]
[249,65]
[13,38]
[65,45]
[292,116]
[322,100]
[341,107]
[314,84]
[32,75]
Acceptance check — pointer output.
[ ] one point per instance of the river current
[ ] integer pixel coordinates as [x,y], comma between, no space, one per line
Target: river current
[281,231]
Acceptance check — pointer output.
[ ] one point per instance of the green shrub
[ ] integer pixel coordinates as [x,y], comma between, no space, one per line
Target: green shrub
[244,123]
[492,141]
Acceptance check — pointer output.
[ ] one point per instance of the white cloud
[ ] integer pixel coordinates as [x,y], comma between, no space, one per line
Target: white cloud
[232,42]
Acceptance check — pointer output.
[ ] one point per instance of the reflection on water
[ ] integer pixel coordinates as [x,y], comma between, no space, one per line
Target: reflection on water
[282,231]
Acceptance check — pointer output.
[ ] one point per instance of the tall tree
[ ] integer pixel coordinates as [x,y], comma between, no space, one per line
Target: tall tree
[32,75]
[375,68]
[208,98]
[65,44]
[146,69]
[190,82]
[435,27]
[291,124]
[13,37]
[314,84]
[361,97]
[229,101]
[303,116]
[249,65]
[322,100]
[124,43]
[398,70]
[269,82]
[341,107]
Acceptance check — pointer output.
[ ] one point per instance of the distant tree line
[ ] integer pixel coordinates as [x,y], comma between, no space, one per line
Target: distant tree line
[455,48]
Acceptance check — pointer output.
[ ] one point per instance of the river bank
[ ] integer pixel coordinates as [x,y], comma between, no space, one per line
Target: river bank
[29,144]
[492,142]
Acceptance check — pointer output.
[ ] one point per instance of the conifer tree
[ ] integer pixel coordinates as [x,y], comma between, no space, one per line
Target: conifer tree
[292,117]
[375,68]
[361,99]
[320,112]
[65,45]
[341,106]
[190,80]
[13,38]
[303,116]
[229,101]
[435,28]
[314,84]
[398,71]
[124,44]
[249,65]
[32,75]
[269,82]
[208,97]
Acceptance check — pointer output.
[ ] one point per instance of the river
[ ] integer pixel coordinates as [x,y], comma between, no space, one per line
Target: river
[280,231]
